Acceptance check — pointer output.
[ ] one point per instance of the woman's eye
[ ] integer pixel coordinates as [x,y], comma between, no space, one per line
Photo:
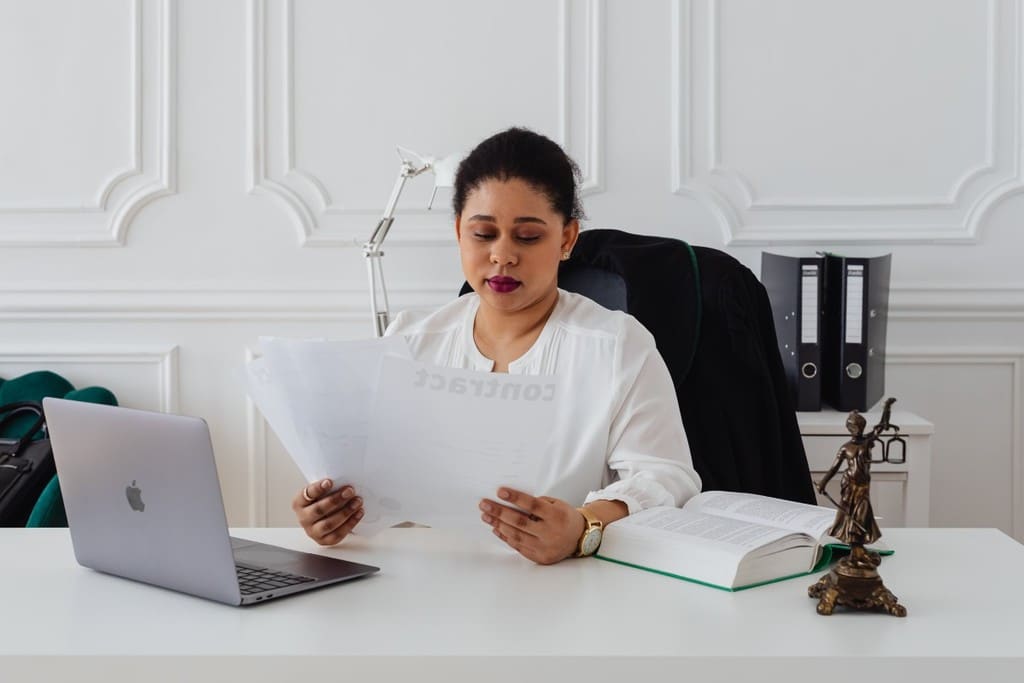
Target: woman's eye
[482,236]
[529,239]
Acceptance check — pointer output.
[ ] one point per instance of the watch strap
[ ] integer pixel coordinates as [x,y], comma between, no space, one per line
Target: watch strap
[592,522]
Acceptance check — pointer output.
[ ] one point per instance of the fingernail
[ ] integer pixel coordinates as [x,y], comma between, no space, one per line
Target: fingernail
[486,518]
[359,515]
[325,484]
[503,494]
[347,493]
[486,507]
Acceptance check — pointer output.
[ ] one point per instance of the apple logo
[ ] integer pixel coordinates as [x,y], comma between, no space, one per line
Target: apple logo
[134,495]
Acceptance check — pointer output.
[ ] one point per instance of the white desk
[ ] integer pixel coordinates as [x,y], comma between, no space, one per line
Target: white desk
[493,616]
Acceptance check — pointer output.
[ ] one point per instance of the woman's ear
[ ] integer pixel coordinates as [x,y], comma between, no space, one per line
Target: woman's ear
[570,233]
[458,228]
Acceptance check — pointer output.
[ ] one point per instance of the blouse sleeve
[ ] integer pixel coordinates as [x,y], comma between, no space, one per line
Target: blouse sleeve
[647,449]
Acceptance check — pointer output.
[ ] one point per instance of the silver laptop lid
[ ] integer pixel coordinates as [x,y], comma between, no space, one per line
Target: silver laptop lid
[142,496]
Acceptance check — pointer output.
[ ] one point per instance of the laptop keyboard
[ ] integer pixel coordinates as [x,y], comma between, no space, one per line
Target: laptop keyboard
[258,580]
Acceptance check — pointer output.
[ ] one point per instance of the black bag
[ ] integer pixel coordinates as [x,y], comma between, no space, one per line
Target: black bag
[26,466]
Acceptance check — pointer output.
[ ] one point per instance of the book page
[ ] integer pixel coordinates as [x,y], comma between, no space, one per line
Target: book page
[737,536]
[785,514]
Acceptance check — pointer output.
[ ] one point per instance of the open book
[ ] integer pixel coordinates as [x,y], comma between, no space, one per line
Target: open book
[726,540]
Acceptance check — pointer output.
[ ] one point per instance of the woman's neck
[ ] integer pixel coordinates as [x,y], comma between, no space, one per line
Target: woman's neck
[505,336]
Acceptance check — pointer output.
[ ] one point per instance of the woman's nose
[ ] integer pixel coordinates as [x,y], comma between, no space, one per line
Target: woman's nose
[503,256]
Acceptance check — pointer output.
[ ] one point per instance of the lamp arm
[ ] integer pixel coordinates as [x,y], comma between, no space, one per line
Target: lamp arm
[379,305]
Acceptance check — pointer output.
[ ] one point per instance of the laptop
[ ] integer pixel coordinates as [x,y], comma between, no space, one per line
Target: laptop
[143,502]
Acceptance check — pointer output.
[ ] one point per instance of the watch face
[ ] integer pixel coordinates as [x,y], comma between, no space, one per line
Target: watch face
[590,542]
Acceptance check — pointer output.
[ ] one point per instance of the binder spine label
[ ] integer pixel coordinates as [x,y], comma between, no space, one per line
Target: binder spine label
[809,304]
[854,304]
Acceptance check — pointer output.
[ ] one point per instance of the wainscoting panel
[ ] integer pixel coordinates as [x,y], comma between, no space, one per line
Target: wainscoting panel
[310,102]
[781,129]
[74,175]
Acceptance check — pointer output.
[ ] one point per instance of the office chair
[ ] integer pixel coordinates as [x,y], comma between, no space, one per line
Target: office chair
[712,322]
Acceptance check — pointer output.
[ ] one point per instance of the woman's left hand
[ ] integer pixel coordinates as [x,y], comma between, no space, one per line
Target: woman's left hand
[543,529]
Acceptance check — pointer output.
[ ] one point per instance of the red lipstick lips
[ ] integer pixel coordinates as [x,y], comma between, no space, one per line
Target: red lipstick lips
[503,284]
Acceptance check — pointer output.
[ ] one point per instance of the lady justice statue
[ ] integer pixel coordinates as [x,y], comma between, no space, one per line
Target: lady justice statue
[854,581]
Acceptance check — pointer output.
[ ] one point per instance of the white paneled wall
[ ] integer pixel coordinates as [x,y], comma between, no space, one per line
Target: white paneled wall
[90,139]
[207,148]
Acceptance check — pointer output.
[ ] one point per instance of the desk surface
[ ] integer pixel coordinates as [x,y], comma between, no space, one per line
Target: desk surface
[439,594]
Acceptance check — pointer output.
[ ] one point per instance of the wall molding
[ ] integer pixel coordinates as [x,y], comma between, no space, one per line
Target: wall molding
[101,197]
[163,358]
[117,303]
[747,219]
[1013,357]
[257,456]
[153,171]
[950,200]
[976,303]
[320,221]
[205,301]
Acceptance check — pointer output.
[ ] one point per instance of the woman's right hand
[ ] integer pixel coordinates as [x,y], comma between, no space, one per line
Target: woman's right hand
[327,517]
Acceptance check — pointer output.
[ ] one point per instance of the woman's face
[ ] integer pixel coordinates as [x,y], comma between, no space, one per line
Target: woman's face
[510,241]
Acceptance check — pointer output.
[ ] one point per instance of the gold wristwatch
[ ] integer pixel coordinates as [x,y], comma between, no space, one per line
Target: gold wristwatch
[590,541]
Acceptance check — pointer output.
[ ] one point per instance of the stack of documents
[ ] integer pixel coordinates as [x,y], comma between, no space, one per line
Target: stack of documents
[418,442]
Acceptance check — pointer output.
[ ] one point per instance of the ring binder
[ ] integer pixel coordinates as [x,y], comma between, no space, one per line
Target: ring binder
[794,286]
[853,345]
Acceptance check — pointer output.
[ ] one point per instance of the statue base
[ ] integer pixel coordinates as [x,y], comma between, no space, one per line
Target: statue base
[854,583]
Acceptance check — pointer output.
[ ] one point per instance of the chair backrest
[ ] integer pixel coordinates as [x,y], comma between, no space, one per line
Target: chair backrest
[603,286]
[711,320]
[48,510]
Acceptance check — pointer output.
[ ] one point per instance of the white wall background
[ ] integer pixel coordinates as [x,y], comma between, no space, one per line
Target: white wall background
[178,177]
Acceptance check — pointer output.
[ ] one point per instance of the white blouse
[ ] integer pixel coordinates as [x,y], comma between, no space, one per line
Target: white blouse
[619,436]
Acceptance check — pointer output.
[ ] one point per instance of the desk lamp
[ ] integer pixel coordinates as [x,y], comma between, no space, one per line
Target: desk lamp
[412,165]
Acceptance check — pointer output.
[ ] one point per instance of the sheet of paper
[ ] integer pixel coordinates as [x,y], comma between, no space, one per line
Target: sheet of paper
[317,395]
[441,439]
[270,398]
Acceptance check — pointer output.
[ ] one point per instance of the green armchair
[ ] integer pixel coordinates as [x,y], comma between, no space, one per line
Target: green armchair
[35,386]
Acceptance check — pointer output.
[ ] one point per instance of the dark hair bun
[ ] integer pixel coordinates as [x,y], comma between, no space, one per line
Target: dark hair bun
[531,157]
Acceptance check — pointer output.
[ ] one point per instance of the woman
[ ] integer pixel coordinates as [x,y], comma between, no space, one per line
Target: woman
[619,446]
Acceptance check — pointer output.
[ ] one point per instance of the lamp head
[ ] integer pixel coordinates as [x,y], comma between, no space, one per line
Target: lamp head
[444,168]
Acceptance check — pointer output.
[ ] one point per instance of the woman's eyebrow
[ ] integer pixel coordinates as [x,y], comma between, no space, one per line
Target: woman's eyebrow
[521,219]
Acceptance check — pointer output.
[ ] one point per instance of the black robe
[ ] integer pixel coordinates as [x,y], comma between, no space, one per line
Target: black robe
[735,403]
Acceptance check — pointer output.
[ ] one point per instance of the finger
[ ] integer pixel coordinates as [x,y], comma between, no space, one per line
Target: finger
[508,541]
[515,536]
[335,521]
[524,501]
[495,512]
[310,493]
[326,506]
[501,536]
[344,530]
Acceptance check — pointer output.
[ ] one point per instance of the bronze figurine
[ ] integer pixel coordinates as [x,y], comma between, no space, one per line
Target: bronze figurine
[854,581]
